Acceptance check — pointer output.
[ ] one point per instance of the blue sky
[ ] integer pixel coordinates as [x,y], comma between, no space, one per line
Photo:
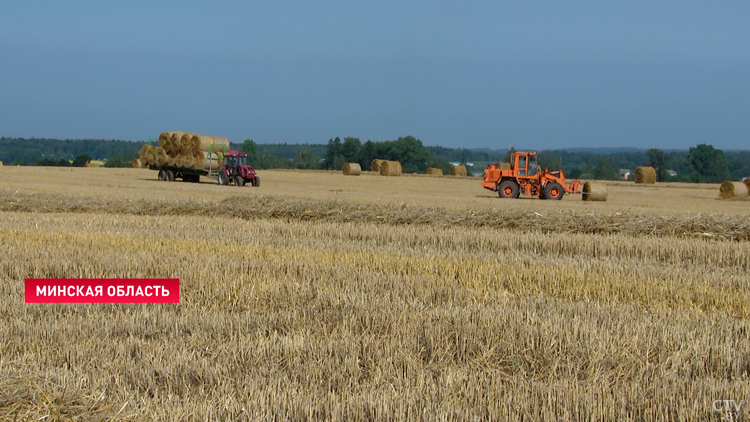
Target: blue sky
[533,74]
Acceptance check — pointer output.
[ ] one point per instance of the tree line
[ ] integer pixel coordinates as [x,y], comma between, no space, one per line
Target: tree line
[701,163]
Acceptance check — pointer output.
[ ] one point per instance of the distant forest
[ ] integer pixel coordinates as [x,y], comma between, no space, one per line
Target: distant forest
[701,163]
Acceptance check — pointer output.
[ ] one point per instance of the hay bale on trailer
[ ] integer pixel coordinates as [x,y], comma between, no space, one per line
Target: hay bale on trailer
[434,171]
[390,168]
[351,169]
[375,164]
[457,170]
[136,163]
[730,189]
[593,192]
[646,175]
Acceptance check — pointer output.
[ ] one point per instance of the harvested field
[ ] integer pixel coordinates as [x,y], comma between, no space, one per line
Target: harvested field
[357,299]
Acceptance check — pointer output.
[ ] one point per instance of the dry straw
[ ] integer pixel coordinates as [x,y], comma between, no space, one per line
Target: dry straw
[390,168]
[645,175]
[594,192]
[375,164]
[352,169]
[90,164]
[730,189]
[457,170]
[434,171]
[136,163]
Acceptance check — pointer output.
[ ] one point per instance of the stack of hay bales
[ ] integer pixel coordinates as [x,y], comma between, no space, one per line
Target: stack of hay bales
[645,175]
[352,169]
[390,168]
[185,149]
[457,170]
[375,165]
[730,189]
[592,192]
[90,164]
[434,171]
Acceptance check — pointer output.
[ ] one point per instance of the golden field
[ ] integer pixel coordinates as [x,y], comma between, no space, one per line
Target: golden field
[325,297]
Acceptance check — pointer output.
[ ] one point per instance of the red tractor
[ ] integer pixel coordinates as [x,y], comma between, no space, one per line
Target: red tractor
[234,169]
[525,176]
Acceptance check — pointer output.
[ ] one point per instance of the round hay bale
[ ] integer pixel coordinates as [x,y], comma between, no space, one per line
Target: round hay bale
[1,163]
[502,166]
[434,171]
[136,163]
[593,192]
[352,169]
[730,189]
[91,165]
[157,157]
[390,168]
[645,175]
[375,164]
[219,143]
[457,170]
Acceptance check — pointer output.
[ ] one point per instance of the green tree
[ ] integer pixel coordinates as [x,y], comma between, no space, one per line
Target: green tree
[659,161]
[250,148]
[550,161]
[81,160]
[117,161]
[305,159]
[333,149]
[606,170]
[707,163]
[350,149]
[409,151]
[367,153]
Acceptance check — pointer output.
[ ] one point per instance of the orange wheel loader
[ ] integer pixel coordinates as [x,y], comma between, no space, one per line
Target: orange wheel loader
[525,176]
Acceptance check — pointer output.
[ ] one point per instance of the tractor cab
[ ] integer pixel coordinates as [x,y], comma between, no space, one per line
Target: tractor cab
[525,164]
[234,169]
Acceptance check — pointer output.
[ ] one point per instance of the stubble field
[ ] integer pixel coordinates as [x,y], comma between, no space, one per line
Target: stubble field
[319,297]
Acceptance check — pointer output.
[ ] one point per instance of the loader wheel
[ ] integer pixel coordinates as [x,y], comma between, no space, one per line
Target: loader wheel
[170,176]
[256,181]
[508,189]
[239,181]
[553,191]
[223,178]
[162,175]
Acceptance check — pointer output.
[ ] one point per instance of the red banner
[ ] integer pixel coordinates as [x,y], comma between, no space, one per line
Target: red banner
[102,290]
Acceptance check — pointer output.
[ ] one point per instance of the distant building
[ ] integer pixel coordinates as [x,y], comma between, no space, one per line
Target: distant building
[625,174]
[672,173]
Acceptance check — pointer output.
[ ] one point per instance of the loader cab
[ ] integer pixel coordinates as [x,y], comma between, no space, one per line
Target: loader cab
[525,164]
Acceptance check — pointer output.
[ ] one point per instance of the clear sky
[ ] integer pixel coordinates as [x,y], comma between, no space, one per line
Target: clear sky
[534,74]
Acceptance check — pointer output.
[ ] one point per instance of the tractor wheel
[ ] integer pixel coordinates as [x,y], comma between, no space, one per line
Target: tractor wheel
[162,175]
[239,181]
[542,195]
[553,191]
[256,181]
[170,176]
[223,178]
[508,189]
